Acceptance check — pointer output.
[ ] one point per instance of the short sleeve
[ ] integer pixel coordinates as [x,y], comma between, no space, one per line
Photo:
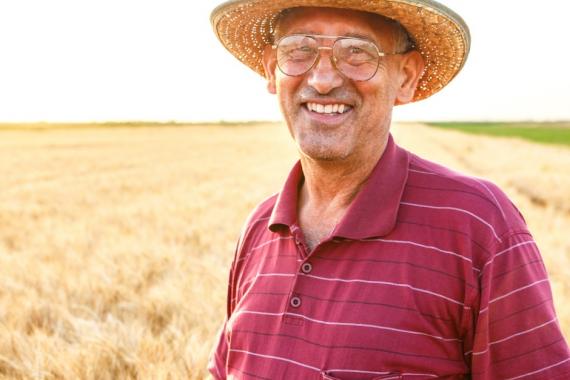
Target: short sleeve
[217,362]
[219,354]
[516,332]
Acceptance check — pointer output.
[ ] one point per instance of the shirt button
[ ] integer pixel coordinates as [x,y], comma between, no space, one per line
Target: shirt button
[295,302]
[306,268]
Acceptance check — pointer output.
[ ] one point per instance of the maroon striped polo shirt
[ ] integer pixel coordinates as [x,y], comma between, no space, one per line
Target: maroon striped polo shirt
[430,274]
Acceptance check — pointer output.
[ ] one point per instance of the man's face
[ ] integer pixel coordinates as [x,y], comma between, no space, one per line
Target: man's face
[363,126]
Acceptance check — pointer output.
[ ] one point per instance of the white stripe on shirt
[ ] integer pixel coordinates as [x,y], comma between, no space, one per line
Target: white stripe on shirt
[263,245]
[513,336]
[280,358]
[276,358]
[475,179]
[366,325]
[381,373]
[505,251]
[492,194]
[538,370]
[384,283]
[456,209]
[517,290]
[511,293]
[430,173]
[423,246]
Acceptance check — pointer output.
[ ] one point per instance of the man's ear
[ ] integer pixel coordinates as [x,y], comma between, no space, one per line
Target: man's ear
[269,65]
[410,71]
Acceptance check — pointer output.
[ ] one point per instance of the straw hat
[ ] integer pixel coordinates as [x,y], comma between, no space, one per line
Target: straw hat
[245,27]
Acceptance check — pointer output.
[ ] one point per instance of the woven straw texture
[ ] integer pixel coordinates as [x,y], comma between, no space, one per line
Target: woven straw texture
[245,27]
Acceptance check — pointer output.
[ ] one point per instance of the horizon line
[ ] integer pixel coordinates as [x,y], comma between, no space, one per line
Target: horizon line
[250,121]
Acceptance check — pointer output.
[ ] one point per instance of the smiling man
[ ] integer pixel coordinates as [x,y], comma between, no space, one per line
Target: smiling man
[373,263]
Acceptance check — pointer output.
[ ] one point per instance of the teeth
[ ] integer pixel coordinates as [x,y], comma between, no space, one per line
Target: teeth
[329,108]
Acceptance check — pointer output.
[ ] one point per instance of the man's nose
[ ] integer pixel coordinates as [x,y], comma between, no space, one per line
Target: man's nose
[324,77]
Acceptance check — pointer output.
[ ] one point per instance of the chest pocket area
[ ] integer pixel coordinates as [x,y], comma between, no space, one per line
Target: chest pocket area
[331,375]
[328,375]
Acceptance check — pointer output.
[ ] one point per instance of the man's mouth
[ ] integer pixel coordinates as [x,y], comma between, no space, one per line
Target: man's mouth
[338,108]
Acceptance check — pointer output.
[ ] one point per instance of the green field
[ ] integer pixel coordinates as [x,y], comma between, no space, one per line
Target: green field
[547,133]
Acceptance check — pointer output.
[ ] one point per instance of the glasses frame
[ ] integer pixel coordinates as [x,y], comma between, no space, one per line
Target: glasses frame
[333,58]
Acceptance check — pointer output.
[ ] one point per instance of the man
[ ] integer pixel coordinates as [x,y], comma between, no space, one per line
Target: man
[373,263]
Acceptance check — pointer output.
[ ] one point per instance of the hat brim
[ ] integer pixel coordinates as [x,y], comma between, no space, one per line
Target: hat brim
[245,27]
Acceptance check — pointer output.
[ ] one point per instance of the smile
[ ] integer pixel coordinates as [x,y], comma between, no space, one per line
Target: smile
[338,108]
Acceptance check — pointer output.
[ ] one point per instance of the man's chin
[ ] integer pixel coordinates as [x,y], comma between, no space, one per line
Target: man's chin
[324,154]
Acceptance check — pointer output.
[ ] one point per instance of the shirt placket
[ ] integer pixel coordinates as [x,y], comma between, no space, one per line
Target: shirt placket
[304,267]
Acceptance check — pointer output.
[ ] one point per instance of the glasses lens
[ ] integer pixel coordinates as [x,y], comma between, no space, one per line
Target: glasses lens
[296,54]
[356,58]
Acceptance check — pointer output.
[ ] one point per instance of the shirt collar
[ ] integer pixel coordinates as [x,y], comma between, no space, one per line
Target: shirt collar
[374,209]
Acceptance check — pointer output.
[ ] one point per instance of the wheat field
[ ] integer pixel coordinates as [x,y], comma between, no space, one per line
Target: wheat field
[115,242]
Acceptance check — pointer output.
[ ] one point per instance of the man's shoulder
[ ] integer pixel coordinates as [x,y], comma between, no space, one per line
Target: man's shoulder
[255,224]
[445,176]
[441,187]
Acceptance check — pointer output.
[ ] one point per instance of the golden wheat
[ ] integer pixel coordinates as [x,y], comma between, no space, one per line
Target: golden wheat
[115,242]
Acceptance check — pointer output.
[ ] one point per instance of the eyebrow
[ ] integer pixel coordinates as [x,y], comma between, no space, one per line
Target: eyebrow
[349,34]
[358,35]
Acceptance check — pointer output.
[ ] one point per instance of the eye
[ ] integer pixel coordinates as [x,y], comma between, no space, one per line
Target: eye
[359,51]
[299,53]
[355,50]
[296,45]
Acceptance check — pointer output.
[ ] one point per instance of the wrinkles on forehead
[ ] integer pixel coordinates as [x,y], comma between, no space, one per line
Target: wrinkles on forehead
[392,34]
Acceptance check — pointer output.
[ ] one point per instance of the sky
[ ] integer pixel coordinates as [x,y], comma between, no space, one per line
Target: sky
[158,60]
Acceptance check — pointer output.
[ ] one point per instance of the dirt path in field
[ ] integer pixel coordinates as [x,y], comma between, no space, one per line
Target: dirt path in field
[535,176]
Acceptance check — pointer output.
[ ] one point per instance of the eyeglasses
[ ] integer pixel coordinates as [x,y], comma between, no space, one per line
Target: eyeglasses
[356,58]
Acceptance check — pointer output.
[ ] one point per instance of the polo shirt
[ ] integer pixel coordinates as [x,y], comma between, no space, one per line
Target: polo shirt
[430,274]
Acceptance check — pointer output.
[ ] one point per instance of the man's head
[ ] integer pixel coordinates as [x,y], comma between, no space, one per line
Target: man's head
[341,106]
[245,27]
[338,104]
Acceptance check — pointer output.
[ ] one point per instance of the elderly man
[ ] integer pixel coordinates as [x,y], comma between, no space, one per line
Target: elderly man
[373,263]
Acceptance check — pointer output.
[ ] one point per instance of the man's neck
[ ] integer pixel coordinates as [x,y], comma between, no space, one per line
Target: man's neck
[335,184]
[328,190]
